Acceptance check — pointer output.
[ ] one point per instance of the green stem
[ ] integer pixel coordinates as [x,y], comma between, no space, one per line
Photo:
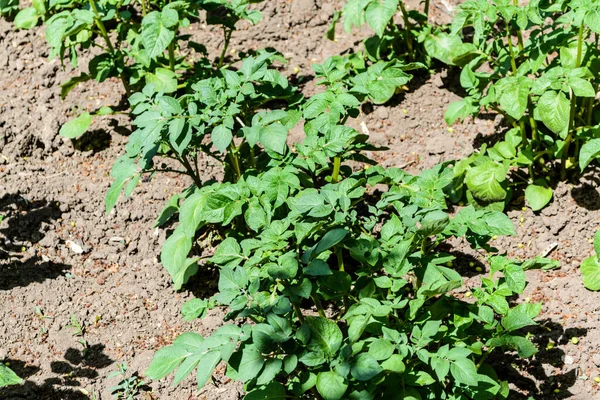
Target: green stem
[337,162]
[319,306]
[235,161]
[426,9]
[228,33]
[109,45]
[298,313]
[340,259]
[513,62]
[407,29]
[569,138]
[172,56]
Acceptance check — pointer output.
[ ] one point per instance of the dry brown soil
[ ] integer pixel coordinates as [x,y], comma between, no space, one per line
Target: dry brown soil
[51,197]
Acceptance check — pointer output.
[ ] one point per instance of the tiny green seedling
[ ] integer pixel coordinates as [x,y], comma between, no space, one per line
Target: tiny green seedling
[129,387]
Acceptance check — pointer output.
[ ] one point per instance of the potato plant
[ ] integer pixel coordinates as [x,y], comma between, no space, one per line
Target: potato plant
[141,43]
[337,285]
[391,40]
[537,65]
[333,274]
[347,291]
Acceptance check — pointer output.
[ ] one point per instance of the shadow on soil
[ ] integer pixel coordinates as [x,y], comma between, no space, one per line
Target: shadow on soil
[586,195]
[518,371]
[77,364]
[23,225]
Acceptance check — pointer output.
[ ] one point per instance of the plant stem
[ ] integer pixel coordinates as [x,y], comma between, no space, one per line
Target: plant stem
[569,138]
[235,161]
[188,167]
[228,33]
[337,161]
[172,56]
[513,62]
[298,312]
[407,29]
[426,9]
[340,259]
[104,34]
[319,306]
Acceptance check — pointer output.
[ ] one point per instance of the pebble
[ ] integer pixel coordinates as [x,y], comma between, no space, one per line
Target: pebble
[568,360]
[596,359]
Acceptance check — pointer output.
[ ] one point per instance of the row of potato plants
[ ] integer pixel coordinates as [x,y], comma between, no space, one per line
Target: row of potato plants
[537,64]
[335,275]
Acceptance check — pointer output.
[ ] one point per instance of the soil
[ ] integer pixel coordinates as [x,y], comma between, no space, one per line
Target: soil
[63,260]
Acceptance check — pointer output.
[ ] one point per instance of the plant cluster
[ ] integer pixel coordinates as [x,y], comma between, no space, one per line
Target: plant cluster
[338,274]
[537,65]
[335,276]
[141,42]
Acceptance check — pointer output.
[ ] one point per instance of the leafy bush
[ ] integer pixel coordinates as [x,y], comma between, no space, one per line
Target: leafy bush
[544,84]
[334,275]
[339,287]
[139,49]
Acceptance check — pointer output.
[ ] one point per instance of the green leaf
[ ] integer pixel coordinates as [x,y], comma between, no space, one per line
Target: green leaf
[246,364]
[365,367]
[76,127]
[590,270]
[67,86]
[515,278]
[155,33]
[194,308]
[484,181]
[589,151]
[554,110]
[538,194]
[27,18]
[163,79]
[206,367]
[221,137]
[168,211]
[165,361]
[516,319]
[331,386]
[8,377]
[174,252]
[581,87]
[379,13]
[459,110]
[273,391]
[597,242]
[228,254]
[274,137]
[514,95]
[330,239]
[464,371]
[326,336]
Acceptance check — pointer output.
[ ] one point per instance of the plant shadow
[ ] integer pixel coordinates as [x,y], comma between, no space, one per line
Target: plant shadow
[586,195]
[23,225]
[530,376]
[66,385]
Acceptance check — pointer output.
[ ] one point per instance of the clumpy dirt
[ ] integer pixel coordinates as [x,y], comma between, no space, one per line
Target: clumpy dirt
[63,259]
